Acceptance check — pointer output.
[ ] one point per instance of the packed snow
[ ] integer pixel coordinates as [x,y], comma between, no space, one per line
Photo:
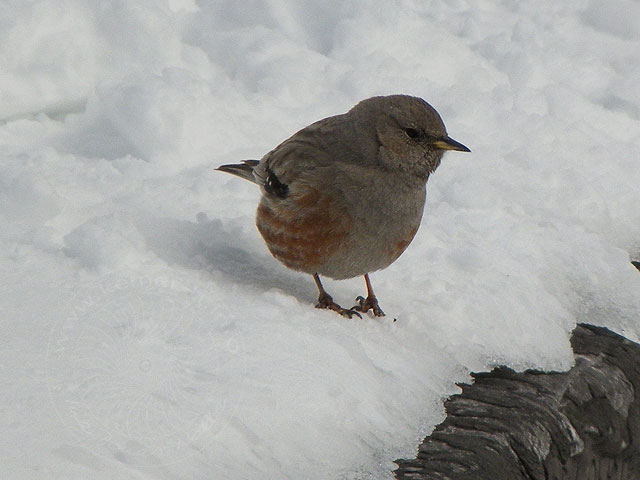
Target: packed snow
[147,331]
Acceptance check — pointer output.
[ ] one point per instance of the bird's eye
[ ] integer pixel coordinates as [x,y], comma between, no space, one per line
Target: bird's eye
[412,132]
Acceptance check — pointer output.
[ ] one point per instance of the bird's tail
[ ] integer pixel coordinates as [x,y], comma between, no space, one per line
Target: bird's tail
[242,170]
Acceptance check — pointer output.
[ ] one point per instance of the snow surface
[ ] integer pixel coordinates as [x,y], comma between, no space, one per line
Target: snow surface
[148,333]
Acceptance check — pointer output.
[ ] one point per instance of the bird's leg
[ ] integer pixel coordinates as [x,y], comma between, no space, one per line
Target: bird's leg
[369,303]
[325,301]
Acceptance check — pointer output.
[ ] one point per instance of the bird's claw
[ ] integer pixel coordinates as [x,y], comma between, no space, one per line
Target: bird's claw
[325,301]
[349,312]
[370,303]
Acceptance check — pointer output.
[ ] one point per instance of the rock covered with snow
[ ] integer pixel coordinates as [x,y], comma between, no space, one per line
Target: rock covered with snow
[146,329]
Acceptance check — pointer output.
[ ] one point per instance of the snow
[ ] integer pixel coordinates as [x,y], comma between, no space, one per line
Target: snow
[148,333]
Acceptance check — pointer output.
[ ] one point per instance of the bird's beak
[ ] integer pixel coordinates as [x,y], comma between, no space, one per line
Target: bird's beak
[446,143]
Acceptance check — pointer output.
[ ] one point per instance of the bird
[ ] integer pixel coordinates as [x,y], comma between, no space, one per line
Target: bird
[344,196]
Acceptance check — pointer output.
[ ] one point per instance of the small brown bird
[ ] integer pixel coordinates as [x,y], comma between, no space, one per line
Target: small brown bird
[344,196]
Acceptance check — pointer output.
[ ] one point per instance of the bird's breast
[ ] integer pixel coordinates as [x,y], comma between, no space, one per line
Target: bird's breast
[342,230]
[386,216]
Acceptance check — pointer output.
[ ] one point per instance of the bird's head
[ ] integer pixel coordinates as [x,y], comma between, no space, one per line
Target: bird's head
[410,134]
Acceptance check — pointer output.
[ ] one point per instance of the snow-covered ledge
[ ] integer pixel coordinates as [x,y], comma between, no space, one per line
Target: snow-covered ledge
[581,424]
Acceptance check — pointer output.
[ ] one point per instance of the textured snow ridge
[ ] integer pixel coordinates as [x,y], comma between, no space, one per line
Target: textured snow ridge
[148,333]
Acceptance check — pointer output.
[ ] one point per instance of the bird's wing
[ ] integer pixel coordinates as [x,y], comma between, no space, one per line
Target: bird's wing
[311,151]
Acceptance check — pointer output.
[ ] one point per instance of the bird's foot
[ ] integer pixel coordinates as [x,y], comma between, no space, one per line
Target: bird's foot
[325,301]
[369,303]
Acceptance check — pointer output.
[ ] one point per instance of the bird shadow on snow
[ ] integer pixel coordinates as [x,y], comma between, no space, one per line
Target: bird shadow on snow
[208,246]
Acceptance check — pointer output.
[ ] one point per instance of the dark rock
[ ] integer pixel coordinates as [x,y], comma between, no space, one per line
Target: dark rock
[583,424]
